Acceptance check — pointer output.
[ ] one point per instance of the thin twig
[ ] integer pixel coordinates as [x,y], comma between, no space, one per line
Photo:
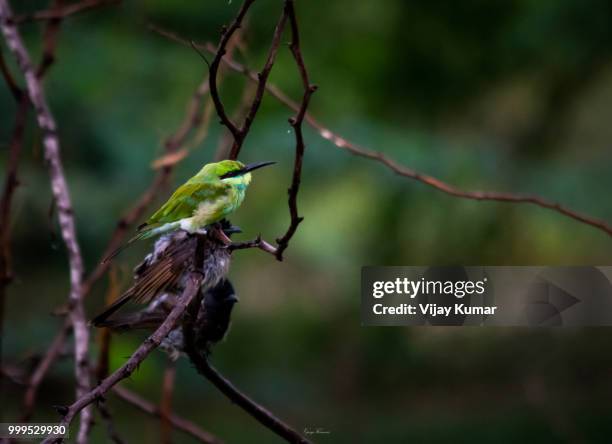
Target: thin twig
[50,41]
[15,90]
[53,352]
[177,422]
[258,242]
[10,184]
[226,140]
[296,123]
[239,133]
[360,151]
[226,35]
[165,403]
[60,13]
[191,289]
[104,335]
[107,417]
[59,187]
[262,78]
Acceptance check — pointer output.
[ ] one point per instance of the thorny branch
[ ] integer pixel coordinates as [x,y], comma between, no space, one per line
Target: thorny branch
[59,188]
[378,156]
[177,422]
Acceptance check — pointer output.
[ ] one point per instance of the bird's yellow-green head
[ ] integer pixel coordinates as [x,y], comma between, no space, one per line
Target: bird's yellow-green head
[231,171]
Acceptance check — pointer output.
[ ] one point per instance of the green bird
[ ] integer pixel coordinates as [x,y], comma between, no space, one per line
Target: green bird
[216,191]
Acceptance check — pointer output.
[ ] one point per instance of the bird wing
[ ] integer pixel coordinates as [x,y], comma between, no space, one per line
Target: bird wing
[186,200]
[164,273]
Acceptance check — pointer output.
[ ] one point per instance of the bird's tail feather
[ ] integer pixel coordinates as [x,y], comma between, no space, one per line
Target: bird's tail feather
[134,321]
[99,320]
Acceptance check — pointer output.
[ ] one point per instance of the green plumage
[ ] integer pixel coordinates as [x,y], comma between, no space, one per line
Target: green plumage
[213,193]
[204,199]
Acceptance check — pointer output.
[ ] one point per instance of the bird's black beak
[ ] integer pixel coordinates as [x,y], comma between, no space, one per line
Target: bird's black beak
[246,169]
[254,166]
[232,298]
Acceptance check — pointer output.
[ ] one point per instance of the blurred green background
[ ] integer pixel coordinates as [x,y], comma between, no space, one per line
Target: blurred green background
[506,96]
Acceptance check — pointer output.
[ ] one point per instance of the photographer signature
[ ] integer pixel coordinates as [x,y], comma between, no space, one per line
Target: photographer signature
[316,431]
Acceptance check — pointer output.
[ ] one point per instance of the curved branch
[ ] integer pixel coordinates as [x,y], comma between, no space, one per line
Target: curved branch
[226,35]
[296,123]
[261,414]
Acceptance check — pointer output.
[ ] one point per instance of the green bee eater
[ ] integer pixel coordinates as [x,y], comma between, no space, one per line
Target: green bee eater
[216,191]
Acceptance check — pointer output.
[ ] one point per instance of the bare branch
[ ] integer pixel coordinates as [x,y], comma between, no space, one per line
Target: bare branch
[226,35]
[53,352]
[108,419]
[258,242]
[262,78]
[177,422]
[296,123]
[60,13]
[15,90]
[10,184]
[49,42]
[165,403]
[191,289]
[104,335]
[264,416]
[59,187]
[226,140]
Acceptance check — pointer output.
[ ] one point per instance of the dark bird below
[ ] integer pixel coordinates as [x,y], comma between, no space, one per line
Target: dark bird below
[164,269]
[211,325]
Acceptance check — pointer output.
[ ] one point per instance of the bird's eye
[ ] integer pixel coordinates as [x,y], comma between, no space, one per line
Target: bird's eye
[227,175]
[231,174]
